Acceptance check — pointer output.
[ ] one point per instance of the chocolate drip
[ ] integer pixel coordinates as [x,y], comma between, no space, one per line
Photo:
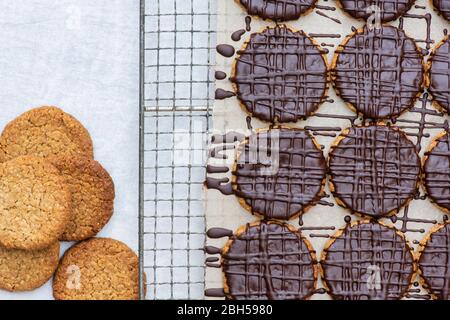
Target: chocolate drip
[374,170]
[292,184]
[391,73]
[229,137]
[280,10]
[434,262]
[281,75]
[221,185]
[216,169]
[248,23]
[443,6]
[212,259]
[215,293]
[216,152]
[225,50]
[320,13]
[223,94]
[367,261]
[220,75]
[212,250]
[439,75]
[268,261]
[237,35]
[213,265]
[216,233]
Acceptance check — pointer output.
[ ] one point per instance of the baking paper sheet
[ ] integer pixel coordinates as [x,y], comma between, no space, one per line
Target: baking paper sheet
[225,211]
[82,56]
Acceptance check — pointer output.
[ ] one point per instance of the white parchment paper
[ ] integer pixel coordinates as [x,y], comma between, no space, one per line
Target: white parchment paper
[82,56]
[225,211]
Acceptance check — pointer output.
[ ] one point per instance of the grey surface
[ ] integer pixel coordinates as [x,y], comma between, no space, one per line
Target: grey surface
[82,56]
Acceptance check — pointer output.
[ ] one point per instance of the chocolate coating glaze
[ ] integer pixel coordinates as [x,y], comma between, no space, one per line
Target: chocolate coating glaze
[439,75]
[374,170]
[280,75]
[278,10]
[378,72]
[367,261]
[295,183]
[389,9]
[437,171]
[434,261]
[268,260]
[443,6]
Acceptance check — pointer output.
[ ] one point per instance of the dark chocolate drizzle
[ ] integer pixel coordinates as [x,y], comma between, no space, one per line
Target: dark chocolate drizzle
[237,35]
[378,72]
[434,262]
[220,75]
[225,50]
[437,171]
[281,75]
[440,75]
[278,10]
[217,233]
[443,6]
[389,9]
[248,23]
[212,250]
[222,94]
[269,261]
[361,253]
[215,293]
[374,170]
[296,184]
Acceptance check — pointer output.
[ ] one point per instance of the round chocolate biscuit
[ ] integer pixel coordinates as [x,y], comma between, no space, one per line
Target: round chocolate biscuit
[24,270]
[92,192]
[285,183]
[35,203]
[278,10]
[388,10]
[268,260]
[439,76]
[374,170]
[97,269]
[443,6]
[367,261]
[379,72]
[434,260]
[436,171]
[44,132]
[281,75]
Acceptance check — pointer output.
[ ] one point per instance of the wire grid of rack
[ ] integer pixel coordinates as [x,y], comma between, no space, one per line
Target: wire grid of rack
[177,41]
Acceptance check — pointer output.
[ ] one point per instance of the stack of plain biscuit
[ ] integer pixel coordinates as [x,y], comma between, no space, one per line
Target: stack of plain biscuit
[51,190]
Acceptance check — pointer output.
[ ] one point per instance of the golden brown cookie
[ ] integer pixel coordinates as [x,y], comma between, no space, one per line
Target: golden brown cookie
[43,132]
[92,196]
[97,269]
[24,270]
[34,203]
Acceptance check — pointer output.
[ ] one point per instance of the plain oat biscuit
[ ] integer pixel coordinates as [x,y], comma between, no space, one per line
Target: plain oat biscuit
[97,269]
[23,270]
[92,196]
[43,132]
[34,203]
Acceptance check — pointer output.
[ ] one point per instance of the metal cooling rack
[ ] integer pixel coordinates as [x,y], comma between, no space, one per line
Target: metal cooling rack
[177,42]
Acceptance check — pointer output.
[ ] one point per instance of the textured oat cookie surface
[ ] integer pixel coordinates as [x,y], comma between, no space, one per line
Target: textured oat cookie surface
[92,195]
[97,269]
[34,203]
[45,131]
[23,270]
